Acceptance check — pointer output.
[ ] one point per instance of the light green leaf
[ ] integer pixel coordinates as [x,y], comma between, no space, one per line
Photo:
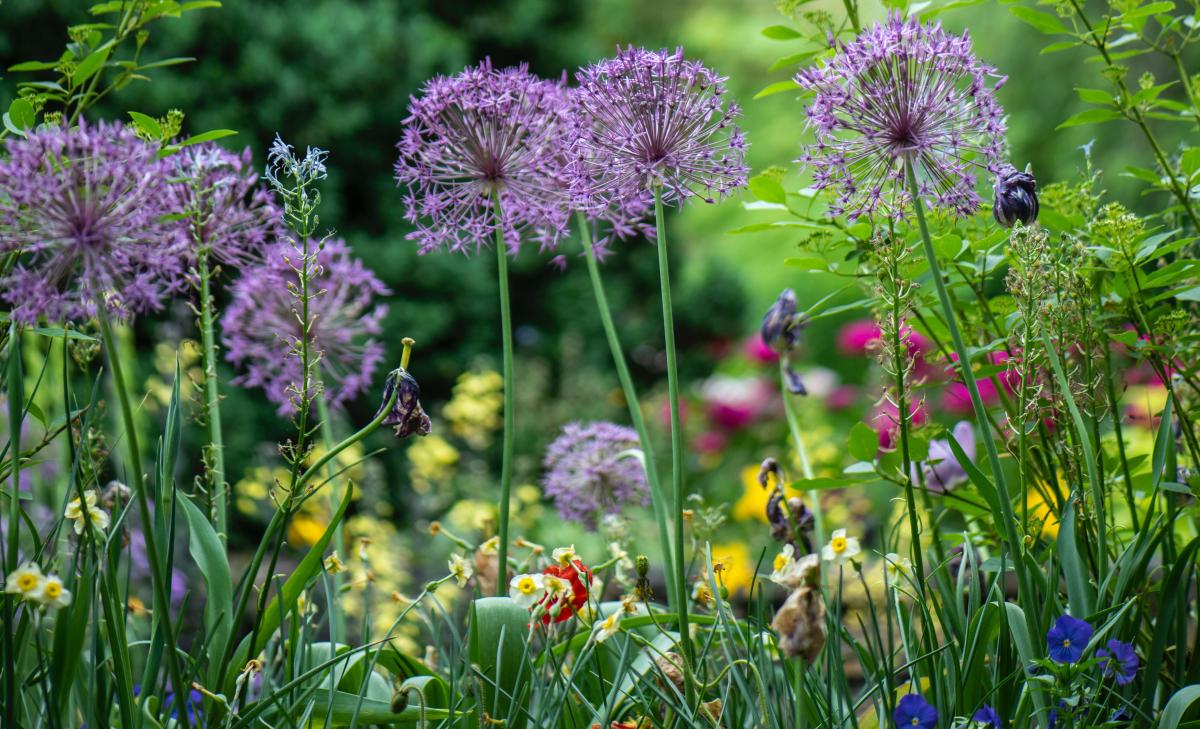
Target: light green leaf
[1089,116]
[864,442]
[209,553]
[90,65]
[781,32]
[767,189]
[776,88]
[207,137]
[1043,22]
[147,124]
[1177,707]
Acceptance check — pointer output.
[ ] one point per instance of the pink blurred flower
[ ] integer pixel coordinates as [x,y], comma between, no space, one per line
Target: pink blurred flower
[885,420]
[710,441]
[735,402]
[857,337]
[841,397]
[758,351]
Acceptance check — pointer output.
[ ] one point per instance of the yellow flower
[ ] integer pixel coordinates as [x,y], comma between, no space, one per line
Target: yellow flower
[736,571]
[607,628]
[1042,513]
[840,548]
[52,593]
[896,567]
[25,581]
[565,556]
[431,461]
[475,408]
[752,505]
[460,569]
[333,564]
[491,546]
[526,590]
[305,529]
[86,512]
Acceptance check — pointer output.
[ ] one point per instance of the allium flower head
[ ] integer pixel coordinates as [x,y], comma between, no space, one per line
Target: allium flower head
[87,209]
[902,91]
[1067,639]
[261,326]
[1120,660]
[654,118]
[482,134]
[227,211]
[590,471]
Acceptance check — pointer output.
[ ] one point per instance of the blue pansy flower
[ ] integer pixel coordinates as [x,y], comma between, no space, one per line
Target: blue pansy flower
[1120,660]
[915,712]
[988,717]
[1067,639]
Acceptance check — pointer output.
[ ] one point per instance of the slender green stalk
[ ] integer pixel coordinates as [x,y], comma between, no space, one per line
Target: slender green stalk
[657,498]
[793,421]
[15,386]
[212,407]
[337,620]
[506,451]
[968,376]
[162,604]
[664,279]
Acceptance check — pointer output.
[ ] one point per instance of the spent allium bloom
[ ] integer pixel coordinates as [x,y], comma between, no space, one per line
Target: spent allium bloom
[914,712]
[902,92]
[654,118]
[228,213]
[406,416]
[1016,197]
[478,137]
[1120,660]
[594,469]
[1067,639]
[86,208]
[261,327]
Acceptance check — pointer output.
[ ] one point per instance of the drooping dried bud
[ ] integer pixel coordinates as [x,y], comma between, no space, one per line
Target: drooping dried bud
[780,327]
[795,529]
[795,385]
[800,624]
[670,665]
[712,710]
[406,415]
[1016,197]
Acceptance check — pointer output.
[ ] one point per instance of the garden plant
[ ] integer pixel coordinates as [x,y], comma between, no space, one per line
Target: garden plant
[978,508]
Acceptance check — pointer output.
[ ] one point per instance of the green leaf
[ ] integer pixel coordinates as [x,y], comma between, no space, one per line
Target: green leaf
[34,66]
[147,124]
[207,137]
[767,189]
[1060,46]
[781,32]
[1043,22]
[1095,96]
[1079,590]
[1089,116]
[199,5]
[22,114]
[1177,707]
[90,65]
[864,442]
[341,707]
[209,554]
[498,650]
[776,88]
[1148,10]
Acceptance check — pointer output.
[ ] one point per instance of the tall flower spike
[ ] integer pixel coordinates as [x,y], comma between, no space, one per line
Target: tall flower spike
[260,325]
[654,118]
[227,211]
[902,91]
[86,208]
[591,470]
[483,134]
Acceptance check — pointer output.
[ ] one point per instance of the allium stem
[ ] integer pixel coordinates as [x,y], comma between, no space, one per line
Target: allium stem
[337,622]
[793,421]
[212,406]
[162,603]
[506,449]
[664,279]
[657,497]
[16,403]
[964,366]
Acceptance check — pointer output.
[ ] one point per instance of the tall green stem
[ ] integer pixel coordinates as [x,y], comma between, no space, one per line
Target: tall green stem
[337,624]
[16,403]
[664,280]
[506,450]
[212,407]
[964,366]
[657,498]
[793,421]
[162,604]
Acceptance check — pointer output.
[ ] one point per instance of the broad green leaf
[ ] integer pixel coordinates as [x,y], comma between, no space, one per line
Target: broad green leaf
[147,124]
[22,114]
[1177,707]
[209,554]
[90,65]
[776,88]
[497,648]
[1079,590]
[1095,96]
[342,706]
[1043,22]
[207,137]
[199,5]
[1089,116]
[767,189]
[781,32]
[34,66]
[864,442]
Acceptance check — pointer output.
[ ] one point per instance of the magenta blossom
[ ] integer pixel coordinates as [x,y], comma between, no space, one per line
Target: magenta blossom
[885,420]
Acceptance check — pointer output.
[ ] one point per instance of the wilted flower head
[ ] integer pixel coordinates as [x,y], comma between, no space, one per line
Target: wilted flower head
[593,469]
[86,207]
[406,415]
[261,326]
[902,92]
[482,151]
[1016,197]
[800,624]
[228,213]
[653,118]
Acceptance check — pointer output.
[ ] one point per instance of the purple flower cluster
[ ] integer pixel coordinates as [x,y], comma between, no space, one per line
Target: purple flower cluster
[901,93]
[654,118]
[261,325]
[226,211]
[87,208]
[482,152]
[590,471]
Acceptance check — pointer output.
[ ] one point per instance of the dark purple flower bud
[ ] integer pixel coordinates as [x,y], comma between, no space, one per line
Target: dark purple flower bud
[1016,197]
[795,385]
[406,415]
[779,325]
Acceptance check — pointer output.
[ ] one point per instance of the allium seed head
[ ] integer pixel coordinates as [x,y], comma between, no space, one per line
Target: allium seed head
[902,92]
[590,471]
[261,325]
[653,118]
[477,136]
[86,208]
[228,213]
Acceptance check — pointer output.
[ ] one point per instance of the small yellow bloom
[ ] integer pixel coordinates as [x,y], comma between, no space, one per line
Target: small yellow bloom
[461,569]
[491,546]
[607,628]
[565,556]
[526,590]
[840,548]
[25,581]
[86,512]
[333,564]
[702,593]
[896,567]
[733,566]
[52,593]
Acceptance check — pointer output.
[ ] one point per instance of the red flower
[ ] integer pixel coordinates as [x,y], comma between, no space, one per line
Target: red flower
[579,577]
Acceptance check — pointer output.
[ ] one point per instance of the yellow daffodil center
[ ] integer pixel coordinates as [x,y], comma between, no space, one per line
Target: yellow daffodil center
[526,586]
[781,561]
[26,582]
[53,590]
[838,544]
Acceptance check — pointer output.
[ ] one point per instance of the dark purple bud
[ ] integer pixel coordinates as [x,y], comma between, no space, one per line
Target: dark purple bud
[406,415]
[1016,197]
[794,384]
[780,325]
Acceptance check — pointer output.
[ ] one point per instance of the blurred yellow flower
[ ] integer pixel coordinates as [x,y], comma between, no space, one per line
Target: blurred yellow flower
[305,529]
[753,503]
[472,515]
[475,407]
[1043,513]
[732,566]
[431,462]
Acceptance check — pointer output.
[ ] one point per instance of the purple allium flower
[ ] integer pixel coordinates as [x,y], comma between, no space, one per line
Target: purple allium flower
[87,209]
[1120,660]
[1067,639]
[902,92]
[652,118]
[590,471]
[228,212]
[942,469]
[261,324]
[914,712]
[481,134]
[988,718]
